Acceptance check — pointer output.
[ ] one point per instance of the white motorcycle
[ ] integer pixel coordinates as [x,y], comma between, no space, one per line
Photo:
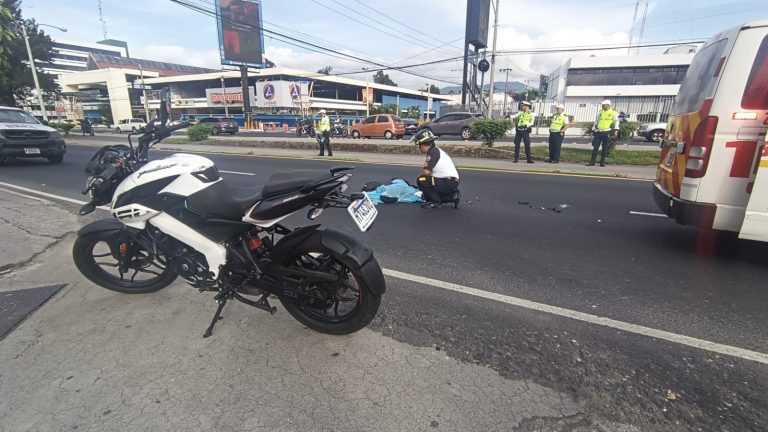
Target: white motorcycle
[177,217]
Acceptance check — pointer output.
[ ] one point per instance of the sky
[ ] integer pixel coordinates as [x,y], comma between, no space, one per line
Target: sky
[397,32]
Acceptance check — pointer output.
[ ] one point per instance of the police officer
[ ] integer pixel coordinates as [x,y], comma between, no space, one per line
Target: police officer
[606,126]
[325,132]
[557,128]
[439,180]
[523,121]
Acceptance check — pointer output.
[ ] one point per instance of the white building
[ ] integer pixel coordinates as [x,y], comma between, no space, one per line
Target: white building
[643,86]
[71,56]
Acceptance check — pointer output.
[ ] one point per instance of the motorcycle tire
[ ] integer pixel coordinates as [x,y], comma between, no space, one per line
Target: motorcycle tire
[345,133]
[86,263]
[367,303]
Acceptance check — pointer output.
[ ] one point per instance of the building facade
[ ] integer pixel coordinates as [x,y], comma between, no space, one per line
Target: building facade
[642,86]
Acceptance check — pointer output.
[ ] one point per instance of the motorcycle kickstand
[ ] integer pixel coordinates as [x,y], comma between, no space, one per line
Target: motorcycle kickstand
[216,317]
[262,303]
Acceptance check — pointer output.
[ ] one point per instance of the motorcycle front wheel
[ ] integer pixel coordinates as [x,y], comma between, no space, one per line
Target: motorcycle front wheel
[120,265]
[340,307]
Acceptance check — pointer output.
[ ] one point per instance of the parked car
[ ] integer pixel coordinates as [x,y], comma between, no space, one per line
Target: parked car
[456,123]
[221,125]
[652,131]
[387,125]
[411,126]
[23,136]
[131,124]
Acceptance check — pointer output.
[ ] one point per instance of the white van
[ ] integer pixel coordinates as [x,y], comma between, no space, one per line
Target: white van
[715,137]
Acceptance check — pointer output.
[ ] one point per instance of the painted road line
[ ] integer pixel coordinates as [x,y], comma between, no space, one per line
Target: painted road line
[636,213]
[588,318]
[541,307]
[236,172]
[48,195]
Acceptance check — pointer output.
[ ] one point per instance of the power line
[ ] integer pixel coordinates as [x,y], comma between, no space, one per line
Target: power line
[408,26]
[325,50]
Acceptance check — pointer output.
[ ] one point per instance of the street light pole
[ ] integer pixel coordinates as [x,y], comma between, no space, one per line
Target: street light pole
[506,88]
[493,60]
[224,90]
[34,67]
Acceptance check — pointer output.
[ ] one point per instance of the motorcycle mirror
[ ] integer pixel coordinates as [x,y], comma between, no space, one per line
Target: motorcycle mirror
[88,208]
[314,213]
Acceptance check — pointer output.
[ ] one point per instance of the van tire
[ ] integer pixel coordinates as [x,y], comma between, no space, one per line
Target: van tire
[355,134]
[655,135]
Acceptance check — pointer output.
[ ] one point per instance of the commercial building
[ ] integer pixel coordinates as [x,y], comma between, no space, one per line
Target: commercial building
[71,56]
[281,95]
[642,86]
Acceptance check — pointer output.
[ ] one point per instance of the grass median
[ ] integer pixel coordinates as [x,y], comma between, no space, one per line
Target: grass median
[616,157]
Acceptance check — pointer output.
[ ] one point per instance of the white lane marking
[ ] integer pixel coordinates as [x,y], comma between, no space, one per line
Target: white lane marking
[541,307]
[588,318]
[48,195]
[636,213]
[236,172]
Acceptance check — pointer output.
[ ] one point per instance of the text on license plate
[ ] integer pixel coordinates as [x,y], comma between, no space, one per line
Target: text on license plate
[363,212]
[31,151]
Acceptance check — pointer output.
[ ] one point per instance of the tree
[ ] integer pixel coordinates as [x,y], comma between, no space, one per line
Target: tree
[385,109]
[16,83]
[434,89]
[531,94]
[414,112]
[325,71]
[6,37]
[381,78]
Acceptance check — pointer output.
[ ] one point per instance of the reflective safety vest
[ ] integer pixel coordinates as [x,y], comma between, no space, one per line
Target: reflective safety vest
[558,123]
[524,119]
[606,119]
[325,124]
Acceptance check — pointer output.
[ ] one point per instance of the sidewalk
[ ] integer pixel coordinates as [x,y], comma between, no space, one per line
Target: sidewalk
[634,172]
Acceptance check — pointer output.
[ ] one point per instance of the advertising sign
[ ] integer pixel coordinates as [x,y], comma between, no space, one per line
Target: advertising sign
[368,95]
[478,14]
[241,39]
[282,94]
[233,96]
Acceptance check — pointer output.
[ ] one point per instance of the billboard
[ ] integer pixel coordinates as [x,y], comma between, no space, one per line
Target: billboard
[282,94]
[478,15]
[241,39]
[233,96]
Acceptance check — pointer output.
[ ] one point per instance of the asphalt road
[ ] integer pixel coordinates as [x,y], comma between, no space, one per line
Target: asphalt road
[593,257]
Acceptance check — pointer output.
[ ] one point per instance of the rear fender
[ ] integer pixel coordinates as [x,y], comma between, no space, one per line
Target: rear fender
[342,245]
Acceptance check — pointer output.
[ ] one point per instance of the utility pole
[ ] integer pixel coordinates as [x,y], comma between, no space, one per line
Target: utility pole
[506,86]
[493,59]
[527,89]
[224,90]
[464,86]
[144,94]
[246,97]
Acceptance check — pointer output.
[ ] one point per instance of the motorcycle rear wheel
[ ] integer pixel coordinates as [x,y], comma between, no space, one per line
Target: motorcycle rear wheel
[95,253]
[354,290]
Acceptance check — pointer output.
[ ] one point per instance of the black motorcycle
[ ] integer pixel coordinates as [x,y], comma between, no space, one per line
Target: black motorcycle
[306,127]
[87,128]
[177,217]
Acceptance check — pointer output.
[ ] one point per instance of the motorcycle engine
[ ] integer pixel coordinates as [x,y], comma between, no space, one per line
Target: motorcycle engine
[193,268]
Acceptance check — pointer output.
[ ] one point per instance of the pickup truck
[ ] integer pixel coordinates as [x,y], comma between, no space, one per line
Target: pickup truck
[23,136]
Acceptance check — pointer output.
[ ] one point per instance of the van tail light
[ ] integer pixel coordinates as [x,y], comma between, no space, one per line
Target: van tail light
[701,147]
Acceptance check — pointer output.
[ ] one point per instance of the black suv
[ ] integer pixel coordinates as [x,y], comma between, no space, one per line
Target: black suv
[221,125]
[456,123]
[23,136]
[410,126]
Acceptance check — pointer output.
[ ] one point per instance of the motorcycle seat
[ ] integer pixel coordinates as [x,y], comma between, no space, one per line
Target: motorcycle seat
[282,183]
[224,200]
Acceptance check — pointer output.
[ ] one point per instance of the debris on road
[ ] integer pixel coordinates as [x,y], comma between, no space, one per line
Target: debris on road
[672,396]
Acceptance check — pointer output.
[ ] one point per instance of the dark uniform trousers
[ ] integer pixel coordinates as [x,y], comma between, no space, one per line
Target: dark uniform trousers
[555,143]
[438,190]
[604,139]
[325,143]
[523,134]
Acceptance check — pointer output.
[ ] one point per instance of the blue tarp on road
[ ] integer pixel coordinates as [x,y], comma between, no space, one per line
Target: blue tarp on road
[397,188]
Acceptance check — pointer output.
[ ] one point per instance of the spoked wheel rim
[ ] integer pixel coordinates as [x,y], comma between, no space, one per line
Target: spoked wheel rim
[105,255]
[331,302]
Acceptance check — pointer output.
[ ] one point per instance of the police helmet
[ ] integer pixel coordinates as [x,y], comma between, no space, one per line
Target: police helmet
[424,136]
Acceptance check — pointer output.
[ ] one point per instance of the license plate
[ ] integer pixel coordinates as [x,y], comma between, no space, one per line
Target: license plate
[31,151]
[363,212]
